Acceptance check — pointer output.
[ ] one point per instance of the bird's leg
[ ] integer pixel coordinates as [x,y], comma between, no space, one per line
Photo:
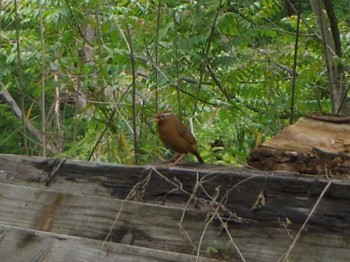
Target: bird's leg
[174,157]
[179,159]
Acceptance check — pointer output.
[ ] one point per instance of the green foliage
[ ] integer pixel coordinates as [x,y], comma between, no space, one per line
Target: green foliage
[10,136]
[245,88]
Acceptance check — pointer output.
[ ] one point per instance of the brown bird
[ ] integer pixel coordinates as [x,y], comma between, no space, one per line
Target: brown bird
[176,136]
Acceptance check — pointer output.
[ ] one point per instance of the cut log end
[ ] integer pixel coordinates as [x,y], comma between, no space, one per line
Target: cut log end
[310,146]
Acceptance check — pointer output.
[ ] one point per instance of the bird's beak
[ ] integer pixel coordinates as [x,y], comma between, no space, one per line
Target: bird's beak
[155,120]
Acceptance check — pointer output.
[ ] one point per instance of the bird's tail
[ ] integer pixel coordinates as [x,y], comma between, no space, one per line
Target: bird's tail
[200,159]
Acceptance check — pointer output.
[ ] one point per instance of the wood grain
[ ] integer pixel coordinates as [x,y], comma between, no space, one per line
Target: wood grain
[309,146]
[151,226]
[18,244]
[85,197]
[287,195]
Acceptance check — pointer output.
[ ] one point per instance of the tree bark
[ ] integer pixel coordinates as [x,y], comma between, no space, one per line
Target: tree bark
[333,53]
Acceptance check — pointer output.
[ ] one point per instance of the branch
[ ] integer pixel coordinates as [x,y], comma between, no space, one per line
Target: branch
[18,112]
[296,46]
[206,55]
[333,23]
[20,75]
[133,83]
[235,100]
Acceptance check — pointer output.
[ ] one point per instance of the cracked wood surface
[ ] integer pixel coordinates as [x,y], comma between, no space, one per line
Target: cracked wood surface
[19,244]
[84,198]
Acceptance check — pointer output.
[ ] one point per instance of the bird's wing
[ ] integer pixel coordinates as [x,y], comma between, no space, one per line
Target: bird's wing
[186,134]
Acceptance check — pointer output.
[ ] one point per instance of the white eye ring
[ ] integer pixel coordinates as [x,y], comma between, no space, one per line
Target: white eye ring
[164,115]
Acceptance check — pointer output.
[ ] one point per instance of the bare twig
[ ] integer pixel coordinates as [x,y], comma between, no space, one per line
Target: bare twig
[17,110]
[20,78]
[285,256]
[157,55]
[102,134]
[230,237]
[132,192]
[233,100]
[220,205]
[214,207]
[43,76]
[206,55]
[56,167]
[177,65]
[204,231]
[235,186]
[185,208]
[133,71]
[190,199]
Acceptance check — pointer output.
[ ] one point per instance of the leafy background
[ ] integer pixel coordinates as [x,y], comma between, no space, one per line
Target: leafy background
[90,75]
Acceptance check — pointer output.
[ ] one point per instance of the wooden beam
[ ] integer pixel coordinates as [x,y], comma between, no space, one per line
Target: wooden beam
[140,224]
[151,226]
[19,244]
[85,198]
[287,195]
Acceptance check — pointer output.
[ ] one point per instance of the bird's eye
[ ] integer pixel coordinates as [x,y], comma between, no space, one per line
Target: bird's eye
[162,116]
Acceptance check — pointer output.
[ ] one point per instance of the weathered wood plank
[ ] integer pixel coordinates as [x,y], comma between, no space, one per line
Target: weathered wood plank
[287,196]
[18,244]
[139,224]
[156,227]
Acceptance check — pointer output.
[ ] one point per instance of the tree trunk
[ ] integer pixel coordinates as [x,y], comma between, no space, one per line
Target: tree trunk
[330,37]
